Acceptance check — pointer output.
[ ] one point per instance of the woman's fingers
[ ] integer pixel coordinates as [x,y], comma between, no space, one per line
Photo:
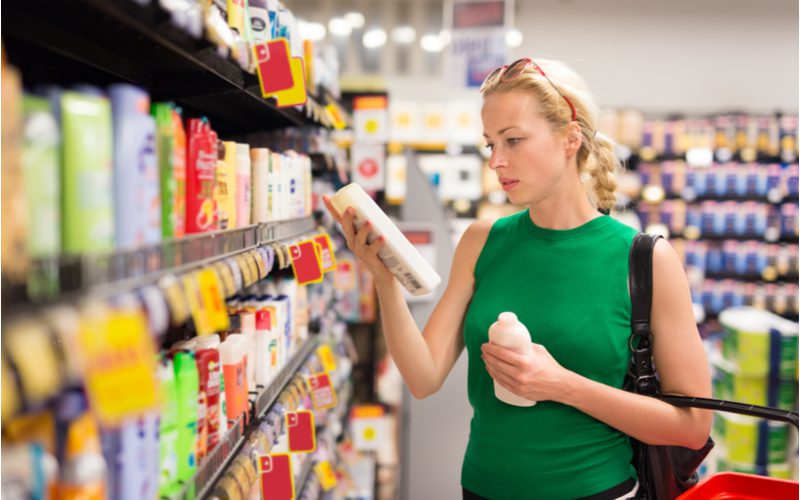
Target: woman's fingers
[335,213]
[363,234]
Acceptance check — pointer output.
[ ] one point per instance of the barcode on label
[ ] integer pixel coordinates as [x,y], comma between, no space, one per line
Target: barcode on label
[413,281]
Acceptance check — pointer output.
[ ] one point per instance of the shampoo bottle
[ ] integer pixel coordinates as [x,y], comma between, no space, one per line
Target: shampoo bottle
[508,332]
[137,210]
[398,254]
[165,141]
[243,189]
[179,173]
[201,168]
[187,385]
[260,185]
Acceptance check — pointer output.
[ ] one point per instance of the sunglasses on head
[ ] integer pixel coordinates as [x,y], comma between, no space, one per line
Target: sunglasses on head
[513,70]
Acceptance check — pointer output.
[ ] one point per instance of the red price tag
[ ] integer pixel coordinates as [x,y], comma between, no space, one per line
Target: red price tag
[306,262]
[323,395]
[275,476]
[368,167]
[302,434]
[327,255]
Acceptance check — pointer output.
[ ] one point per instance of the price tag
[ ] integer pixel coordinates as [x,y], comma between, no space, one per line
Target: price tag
[119,365]
[194,295]
[345,277]
[176,300]
[323,395]
[301,430]
[246,266]
[327,255]
[213,301]
[325,475]
[306,262]
[327,358]
[275,476]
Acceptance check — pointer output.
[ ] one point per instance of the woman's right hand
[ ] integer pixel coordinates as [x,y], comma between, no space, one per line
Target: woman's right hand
[356,239]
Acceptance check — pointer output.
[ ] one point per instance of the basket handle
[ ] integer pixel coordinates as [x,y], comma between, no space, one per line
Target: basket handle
[731,407]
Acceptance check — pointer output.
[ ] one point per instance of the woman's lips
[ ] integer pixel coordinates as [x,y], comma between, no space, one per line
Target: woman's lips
[508,185]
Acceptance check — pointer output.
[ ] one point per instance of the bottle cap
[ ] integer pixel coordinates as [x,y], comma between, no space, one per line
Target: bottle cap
[507,317]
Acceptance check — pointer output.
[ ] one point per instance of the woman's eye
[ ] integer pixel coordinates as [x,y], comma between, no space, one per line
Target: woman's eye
[513,141]
[489,146]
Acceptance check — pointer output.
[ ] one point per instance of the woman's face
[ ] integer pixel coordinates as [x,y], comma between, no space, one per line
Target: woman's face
[528,156]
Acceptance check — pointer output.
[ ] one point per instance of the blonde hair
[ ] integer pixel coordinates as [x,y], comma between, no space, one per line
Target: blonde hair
[596,156]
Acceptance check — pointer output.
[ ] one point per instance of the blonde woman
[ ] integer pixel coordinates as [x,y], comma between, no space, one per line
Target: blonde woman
[562,267]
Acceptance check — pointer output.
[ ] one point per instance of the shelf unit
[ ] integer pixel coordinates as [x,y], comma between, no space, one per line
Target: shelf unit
[105,274]
[218,461]
[107,41]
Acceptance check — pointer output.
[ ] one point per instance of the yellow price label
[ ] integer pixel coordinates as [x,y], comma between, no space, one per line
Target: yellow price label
[327,358]
[119,365]
[194,295]
[371,126]
[213,301]
[260,264]
[325,475]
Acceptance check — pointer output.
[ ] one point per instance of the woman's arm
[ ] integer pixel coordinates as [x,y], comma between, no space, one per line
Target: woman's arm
[423,358]
[678,355]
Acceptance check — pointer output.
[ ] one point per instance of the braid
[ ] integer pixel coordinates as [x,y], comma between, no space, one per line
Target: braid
[602,164]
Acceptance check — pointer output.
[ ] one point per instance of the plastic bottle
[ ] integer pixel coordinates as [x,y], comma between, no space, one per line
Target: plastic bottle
[243,188]
[201,167]
[165,139]
[208,366]
[137,203]
[83,472]
[168,430]
[508,332]
[263,331]
[187,385]
[233,354]
[87,208]
[260,185]
[248,329]
[398,254]
[179,173]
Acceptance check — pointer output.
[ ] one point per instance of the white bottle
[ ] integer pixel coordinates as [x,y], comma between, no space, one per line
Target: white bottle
[398,254]
[508,332]
[243,188]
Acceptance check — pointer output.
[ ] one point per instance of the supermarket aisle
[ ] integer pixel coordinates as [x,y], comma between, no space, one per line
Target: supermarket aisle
[182,317]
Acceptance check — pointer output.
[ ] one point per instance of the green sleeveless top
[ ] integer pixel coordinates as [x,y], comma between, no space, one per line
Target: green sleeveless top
[570,289]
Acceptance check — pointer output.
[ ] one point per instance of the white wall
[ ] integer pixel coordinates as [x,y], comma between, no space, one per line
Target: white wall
[659,56]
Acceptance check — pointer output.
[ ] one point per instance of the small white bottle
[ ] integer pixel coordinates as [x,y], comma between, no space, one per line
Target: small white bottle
[508,332]
[398,254]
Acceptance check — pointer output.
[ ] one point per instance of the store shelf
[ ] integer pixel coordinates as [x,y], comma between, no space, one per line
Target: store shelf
[218,461]
[723,198]
[105,41]
[127,269]
[754,278]
[733,237]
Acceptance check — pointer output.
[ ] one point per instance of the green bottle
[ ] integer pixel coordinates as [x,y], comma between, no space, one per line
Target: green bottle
[165,140]
[40,168]
[87,207]
[168,483]
[187,381]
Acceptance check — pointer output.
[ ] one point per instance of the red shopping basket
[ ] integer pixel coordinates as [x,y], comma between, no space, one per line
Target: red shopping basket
[734,485]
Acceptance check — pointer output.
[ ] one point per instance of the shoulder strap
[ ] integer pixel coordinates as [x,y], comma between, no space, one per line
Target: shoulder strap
[640,283]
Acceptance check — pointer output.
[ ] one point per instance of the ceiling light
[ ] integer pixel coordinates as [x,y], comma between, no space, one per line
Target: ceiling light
[374,38]
[339,27]
[445,36]
[514,38]
[431,43]
[311,31]
[355,19]
[404,35]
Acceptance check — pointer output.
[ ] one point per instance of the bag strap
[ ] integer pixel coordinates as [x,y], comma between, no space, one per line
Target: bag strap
[640,283]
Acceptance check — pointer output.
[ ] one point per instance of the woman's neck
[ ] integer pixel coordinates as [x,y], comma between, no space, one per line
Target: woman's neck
[566,210]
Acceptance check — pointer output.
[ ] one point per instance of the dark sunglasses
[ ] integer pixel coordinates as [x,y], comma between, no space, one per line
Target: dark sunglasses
[513,70]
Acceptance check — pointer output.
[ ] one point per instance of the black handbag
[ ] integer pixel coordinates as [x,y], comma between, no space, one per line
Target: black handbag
[664,471]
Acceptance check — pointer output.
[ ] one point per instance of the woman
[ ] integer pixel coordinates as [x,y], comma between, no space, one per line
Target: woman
[562,267]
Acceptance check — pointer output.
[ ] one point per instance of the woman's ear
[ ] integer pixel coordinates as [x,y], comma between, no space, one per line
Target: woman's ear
[574,138]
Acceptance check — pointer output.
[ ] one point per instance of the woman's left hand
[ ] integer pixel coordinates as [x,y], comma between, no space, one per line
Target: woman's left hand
[535,376]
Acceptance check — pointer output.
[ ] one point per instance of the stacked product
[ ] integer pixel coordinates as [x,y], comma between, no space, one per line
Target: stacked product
[756,363]
[725,190]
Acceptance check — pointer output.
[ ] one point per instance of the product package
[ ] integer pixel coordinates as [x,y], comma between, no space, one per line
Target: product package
[87,206]
[201,210]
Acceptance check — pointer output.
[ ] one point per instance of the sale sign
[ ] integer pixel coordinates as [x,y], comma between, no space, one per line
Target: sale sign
[323,395]
[327,254]
[280,75]
[306,262]
[275,477]
[367,166]
[301,431]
